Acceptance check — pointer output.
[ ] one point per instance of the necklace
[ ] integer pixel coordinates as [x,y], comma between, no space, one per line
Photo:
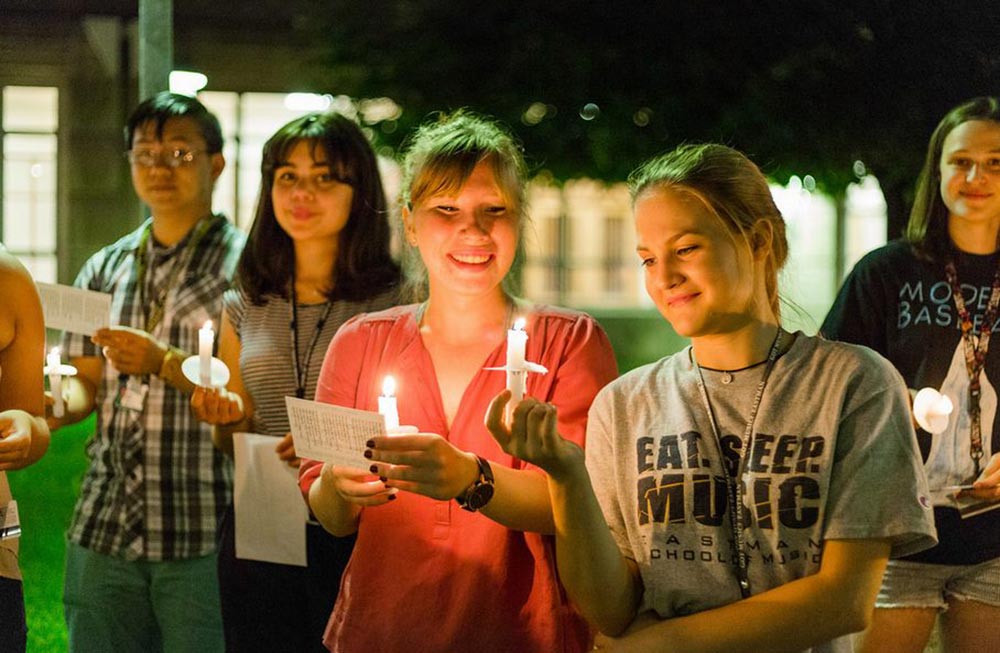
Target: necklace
[154,310]
[302,367]
[975,347]
[727,375]
[734,479]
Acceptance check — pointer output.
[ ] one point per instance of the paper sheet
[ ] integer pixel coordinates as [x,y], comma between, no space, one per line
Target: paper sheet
[333,434]
[270,511]
[74,309]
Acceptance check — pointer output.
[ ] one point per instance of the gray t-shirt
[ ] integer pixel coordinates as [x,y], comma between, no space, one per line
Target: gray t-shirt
[834,457]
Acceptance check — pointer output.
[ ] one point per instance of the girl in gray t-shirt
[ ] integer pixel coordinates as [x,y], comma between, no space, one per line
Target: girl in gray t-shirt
[648,545]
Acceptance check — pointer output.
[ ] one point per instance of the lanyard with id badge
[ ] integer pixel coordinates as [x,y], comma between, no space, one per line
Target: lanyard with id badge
[132,390]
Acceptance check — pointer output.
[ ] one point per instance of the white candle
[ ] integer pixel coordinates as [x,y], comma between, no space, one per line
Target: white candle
[206,337]
[517,374]
[932,410]
[387,404]
[53,362]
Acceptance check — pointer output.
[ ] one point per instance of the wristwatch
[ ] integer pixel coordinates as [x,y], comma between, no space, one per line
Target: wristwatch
[477,495]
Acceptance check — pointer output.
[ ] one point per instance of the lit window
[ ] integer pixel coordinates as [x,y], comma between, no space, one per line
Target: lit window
[28,213]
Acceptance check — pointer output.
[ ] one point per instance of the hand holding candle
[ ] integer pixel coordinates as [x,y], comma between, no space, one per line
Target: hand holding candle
[203,369]
[931,410]
[517,373]
[517,366]
[56,371]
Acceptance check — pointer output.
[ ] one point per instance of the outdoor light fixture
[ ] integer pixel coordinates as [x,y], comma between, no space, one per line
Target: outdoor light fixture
[307,102]
[186,82]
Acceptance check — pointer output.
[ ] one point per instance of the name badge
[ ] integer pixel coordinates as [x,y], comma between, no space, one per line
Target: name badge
[133,395]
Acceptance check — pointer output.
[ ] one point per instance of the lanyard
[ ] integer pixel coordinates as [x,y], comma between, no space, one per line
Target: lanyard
[734,483]
[976,347]
[302,368]
[154,311]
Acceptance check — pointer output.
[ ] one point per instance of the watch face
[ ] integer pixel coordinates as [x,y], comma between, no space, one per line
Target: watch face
[479,496]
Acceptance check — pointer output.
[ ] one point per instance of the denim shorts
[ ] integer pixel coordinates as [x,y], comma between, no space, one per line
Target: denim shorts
[921,585]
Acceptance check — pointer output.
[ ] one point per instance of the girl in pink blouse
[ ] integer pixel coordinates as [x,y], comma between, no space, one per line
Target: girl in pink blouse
[454,548]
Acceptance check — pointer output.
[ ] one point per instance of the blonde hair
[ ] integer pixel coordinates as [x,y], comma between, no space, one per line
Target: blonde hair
[732,187]
[440,158]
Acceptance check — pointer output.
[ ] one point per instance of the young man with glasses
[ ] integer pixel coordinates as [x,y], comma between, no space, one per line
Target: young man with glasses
[141,555]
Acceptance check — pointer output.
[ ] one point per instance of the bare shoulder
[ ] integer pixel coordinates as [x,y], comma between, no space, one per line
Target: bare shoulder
[15,282]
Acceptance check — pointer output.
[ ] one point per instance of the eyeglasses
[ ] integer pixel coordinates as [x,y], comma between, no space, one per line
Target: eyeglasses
[169,158]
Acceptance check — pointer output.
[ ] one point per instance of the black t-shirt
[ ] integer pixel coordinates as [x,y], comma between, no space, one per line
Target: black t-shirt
[902,307]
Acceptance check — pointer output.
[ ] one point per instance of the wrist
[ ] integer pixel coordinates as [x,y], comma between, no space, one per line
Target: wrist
[480,492]
[170,369]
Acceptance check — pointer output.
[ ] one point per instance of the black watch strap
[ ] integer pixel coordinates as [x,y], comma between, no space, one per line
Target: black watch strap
[477,495]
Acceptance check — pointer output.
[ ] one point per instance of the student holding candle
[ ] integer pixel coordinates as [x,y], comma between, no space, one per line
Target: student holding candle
[141,549]
[24,435]
[318,253]
[454,549]
[809,438]
[929,303]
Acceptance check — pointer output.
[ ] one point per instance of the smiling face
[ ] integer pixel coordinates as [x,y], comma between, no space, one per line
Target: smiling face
[970,173]
[702,279]
[467,238]
[310,203]
[185,190]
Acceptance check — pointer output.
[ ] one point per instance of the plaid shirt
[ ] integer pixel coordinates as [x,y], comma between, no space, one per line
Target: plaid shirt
[156,487]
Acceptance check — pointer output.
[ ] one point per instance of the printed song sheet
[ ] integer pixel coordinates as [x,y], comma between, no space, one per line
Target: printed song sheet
[74,309]
[333,434]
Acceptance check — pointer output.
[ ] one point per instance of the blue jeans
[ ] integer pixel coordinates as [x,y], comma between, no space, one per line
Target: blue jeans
[141,606]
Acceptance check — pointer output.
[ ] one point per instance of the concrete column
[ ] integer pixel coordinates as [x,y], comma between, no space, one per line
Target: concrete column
[156,46]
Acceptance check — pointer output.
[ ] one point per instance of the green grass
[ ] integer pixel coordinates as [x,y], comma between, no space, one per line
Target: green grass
[46,493]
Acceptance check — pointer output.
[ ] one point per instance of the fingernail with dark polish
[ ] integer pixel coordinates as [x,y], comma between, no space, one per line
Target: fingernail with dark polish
[368,453]
[370,444]
[373,469]
[392,497]
[383,479]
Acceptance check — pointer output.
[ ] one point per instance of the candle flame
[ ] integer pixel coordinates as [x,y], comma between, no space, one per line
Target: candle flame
[388,386]
[207,325]
[54,351]
[519,324]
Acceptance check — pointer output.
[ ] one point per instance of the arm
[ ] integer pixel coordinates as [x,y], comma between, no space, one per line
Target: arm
[231,409]
[427,464]
[24,435]
[135,352]
[581,362]
[604,585]
[837,600]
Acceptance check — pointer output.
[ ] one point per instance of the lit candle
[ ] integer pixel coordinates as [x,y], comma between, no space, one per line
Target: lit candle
[517,373]
[931,410]
[206,337]
[54,363]
[387,404]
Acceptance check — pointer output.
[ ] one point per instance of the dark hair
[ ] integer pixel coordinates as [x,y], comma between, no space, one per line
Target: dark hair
[927,229]
[731,186]
[163,106]
[364,264]
[440,156]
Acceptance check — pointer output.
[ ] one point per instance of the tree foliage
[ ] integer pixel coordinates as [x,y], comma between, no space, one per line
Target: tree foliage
[803,87]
